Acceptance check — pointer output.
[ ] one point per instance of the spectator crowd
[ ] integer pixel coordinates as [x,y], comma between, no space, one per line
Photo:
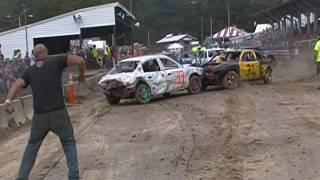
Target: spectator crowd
[11,69]
[9,72]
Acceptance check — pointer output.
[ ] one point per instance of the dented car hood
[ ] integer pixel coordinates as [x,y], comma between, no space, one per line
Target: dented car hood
[125,78]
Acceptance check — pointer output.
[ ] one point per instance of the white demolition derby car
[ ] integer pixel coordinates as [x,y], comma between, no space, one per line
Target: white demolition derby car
[147,76]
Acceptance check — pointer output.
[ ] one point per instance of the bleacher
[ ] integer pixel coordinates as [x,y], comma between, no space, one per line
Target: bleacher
[289,13]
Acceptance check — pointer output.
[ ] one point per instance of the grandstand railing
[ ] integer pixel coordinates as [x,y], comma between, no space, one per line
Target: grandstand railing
[305,43]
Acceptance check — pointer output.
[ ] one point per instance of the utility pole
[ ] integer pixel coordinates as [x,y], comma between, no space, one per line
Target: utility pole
[211,27]
[24,13]
[201,29]
[19,18]
[201,19]
[228,12]
[26,27]
[131,6]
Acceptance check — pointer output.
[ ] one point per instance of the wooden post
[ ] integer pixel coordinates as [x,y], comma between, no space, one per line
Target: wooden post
[292,23]
[115,43]
[316,22]
[308,23]
[299,24]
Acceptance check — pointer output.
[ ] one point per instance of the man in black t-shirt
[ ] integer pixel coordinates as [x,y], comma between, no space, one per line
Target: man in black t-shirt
[50,113]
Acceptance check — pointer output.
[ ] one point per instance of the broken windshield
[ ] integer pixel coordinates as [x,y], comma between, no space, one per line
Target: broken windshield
[125,67]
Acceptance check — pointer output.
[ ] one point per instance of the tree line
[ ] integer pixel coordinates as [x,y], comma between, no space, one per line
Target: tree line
[156,17]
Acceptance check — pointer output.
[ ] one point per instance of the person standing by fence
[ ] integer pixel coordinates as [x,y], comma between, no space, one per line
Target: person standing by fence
[317,55]
[50,113]
[106,56]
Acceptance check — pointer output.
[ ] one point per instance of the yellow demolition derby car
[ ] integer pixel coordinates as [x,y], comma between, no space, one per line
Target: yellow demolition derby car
[240,64]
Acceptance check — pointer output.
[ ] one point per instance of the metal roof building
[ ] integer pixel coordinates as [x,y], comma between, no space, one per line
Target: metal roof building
[229,32]
[56,33]
[291,11]
[170,38]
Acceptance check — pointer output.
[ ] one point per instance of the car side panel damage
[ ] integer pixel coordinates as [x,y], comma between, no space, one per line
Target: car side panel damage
[152,75]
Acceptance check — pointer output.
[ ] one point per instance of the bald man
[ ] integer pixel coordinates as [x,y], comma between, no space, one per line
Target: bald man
[50,113]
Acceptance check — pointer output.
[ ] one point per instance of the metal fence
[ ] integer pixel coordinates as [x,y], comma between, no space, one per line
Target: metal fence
[305,43]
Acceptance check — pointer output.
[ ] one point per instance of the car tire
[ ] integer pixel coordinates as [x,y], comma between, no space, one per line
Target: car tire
[195,85]
[143,94]
[230,80]
[267,78]
[112,100]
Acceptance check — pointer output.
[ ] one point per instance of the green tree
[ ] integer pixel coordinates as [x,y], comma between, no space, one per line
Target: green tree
[158,17]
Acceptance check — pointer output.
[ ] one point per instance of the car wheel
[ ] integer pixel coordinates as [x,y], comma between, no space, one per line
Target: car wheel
[112,100]
[143,94]
[231,80]
[195,85]
[267,77]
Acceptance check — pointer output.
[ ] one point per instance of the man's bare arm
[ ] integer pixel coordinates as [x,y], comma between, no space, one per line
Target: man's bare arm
[79,61]
[15,88]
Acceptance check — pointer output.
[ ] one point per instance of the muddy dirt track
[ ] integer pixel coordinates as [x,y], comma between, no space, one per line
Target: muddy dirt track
[267,132]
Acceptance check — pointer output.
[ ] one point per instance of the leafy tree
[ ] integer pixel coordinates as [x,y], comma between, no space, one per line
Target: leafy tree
[158,17]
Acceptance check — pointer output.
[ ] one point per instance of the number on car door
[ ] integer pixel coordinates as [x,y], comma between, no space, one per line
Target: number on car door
[249,66]
[175,74]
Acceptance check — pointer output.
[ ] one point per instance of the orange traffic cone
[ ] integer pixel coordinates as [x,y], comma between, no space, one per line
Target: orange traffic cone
[72,100]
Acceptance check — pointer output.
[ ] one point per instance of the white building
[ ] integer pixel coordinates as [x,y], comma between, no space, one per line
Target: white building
[56,32]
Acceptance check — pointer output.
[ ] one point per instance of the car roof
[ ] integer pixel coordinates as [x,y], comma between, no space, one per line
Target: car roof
[144,58]
[240,49]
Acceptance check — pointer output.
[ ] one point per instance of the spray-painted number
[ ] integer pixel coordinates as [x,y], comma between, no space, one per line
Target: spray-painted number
[179,77]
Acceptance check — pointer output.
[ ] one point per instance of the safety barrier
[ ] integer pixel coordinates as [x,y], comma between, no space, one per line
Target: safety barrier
[24,106]
[279,52]
[27,103]
[14,120]
[305,43]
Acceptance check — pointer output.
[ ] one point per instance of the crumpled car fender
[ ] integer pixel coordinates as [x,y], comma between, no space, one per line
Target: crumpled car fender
[125,78]
[192,71]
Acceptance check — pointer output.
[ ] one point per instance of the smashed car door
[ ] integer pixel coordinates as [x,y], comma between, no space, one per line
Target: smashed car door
[249,66]
[154,76]
[175,75]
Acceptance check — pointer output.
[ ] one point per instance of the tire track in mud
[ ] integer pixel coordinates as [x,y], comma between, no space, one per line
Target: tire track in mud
[230,166]
[189,116]
[185,153]
[182,157]
[282,132]
[99,164]
[300,106]
[242,114]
